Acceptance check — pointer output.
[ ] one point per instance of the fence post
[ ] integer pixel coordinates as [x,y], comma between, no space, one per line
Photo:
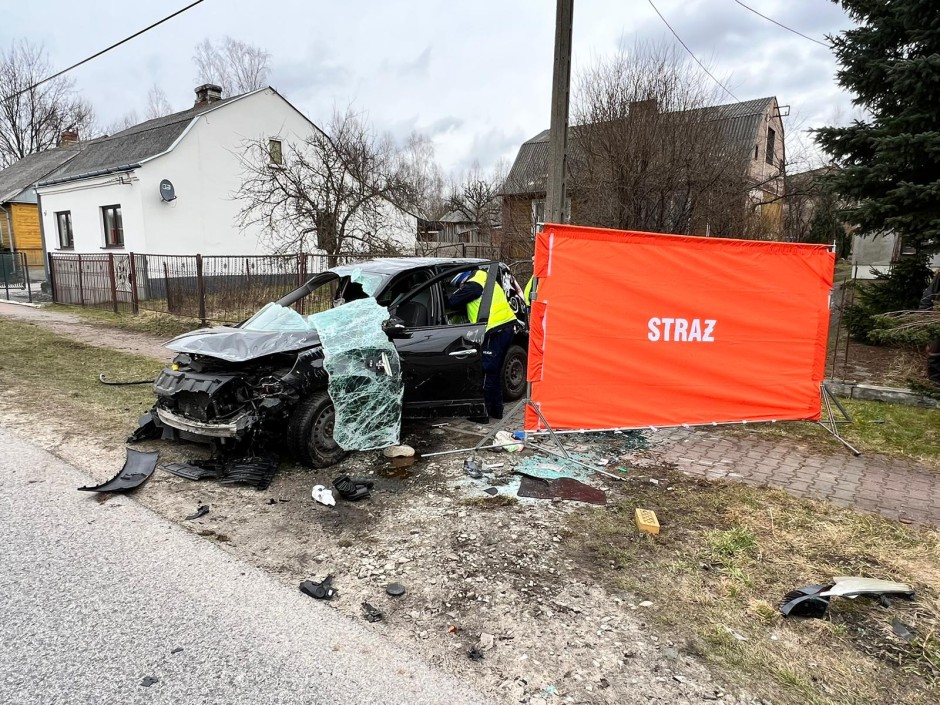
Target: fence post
[3,265]
[201,291]
[166,288]
[113,282]
[132,273]
[29,284]
[81,283]
[52,290]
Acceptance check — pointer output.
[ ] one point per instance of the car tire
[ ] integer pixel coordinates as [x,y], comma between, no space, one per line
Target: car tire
[310,432]
[514,373]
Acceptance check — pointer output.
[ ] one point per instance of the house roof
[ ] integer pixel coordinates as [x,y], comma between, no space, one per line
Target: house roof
[738,122]
[18,177]
[133,145]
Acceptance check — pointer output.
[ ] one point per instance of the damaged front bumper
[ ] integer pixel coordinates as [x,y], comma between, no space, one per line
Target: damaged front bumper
[233,428]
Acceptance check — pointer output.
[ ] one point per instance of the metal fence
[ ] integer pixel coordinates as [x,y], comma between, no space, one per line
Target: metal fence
[14,274]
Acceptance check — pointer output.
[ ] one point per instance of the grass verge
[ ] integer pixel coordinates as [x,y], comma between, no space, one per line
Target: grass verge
[878,427]
[726,555]
[56,370]
[158,324]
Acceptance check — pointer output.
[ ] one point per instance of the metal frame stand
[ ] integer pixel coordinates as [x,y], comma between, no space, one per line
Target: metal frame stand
[829,400]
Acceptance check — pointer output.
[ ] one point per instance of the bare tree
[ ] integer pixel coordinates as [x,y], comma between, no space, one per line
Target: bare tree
[424,176]
[128,119]
[235,65]
[648,154]
[157,103]
[338,191]
[32,118]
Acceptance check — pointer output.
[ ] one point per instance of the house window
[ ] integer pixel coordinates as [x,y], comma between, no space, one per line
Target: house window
[63,222]
[113,226]
[276,152]
[771,138]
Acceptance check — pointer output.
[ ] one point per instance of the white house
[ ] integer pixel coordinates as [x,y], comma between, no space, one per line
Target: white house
[166,186]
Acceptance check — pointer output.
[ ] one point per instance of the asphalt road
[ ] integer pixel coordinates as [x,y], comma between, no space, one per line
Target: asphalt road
[96,597]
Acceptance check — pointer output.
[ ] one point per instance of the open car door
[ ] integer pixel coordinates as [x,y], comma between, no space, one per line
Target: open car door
[441,355]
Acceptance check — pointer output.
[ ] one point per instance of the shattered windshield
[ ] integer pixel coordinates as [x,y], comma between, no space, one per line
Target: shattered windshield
[274,318]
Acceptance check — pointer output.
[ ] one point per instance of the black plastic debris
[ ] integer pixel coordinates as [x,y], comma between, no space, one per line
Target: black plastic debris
[146,429]
[395,589]
[473,468]
[370,613]
[905,631]
[138,467]
[321,591]
[149,681]
[475,654]
[177,650]
[805,602]
[491,491]
[192,471]
[256,471]
[201,511]
[562,488]
[352,488]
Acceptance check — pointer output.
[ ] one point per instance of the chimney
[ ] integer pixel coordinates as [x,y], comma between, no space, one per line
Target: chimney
[69,136]
[644,108]
[208,93]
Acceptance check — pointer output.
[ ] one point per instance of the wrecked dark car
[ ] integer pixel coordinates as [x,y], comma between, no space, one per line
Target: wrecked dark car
[336,364]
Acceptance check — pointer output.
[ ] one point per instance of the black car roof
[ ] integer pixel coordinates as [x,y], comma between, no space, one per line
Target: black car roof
[395,265]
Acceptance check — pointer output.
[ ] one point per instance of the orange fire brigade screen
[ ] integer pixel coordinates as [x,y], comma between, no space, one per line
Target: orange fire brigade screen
[633,329]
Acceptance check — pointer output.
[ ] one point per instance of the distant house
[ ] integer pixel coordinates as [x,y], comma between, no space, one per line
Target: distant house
[19,214]
[752,129]
[166,186]
[456,234]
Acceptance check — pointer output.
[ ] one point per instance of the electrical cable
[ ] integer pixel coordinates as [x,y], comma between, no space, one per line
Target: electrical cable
[103,51]
[789,29]
[684,46]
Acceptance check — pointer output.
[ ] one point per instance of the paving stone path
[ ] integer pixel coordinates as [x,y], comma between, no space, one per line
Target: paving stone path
[896,488]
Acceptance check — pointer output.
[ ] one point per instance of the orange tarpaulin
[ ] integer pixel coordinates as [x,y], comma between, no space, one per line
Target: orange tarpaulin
[632,329]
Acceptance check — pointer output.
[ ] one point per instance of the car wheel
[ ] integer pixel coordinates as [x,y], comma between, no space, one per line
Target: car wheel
[310,433]
[514,373]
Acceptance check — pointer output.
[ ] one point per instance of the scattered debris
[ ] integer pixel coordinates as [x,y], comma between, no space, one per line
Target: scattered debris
[146,428]
[323,495]
[562,488]
[177,650]
[505,440]
[402,451]
[192,471]
[473,468]
[487,641]
[395,589]
[813,600]
[149,681]
[255,471]
[491,491]
[138,467]
[736,635]
[201,511]
[453,629]
[321,591]
[905,631]
[370,613]
[475,654]
[351,488]
[646,521]
[646,603]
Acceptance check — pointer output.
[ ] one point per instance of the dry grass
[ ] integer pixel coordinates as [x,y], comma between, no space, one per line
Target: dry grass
[878,427]
[55,370]
[726,555]
[158,324]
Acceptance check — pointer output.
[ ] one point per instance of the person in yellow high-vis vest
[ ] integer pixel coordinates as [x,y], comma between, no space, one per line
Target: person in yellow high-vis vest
[499,331]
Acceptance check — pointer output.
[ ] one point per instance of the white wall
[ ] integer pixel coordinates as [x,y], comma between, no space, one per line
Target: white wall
[84,200]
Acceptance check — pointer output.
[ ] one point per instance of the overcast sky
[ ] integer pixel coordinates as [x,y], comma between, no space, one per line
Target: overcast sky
[474,75]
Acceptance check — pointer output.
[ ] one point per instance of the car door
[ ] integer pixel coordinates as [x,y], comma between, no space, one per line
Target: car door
[442,363]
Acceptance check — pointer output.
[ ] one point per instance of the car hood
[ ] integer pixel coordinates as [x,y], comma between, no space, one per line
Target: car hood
[238,345]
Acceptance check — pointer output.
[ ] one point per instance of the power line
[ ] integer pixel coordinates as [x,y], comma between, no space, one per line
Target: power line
[789,29]
[684,46]
[103,51]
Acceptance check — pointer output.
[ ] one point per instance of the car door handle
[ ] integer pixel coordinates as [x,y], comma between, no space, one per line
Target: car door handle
[463,353]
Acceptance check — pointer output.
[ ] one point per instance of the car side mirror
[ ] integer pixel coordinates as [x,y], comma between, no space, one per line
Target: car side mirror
[395,328]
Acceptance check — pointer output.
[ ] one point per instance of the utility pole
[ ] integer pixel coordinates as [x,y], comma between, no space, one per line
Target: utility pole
[556,191]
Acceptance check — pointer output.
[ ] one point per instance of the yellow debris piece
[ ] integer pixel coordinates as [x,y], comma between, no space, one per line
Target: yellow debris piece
[646,521]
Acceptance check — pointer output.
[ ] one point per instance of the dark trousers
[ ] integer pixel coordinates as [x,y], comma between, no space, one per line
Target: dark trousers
[495,344]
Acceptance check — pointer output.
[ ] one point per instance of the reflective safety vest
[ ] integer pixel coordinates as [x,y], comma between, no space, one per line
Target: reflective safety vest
[500,312]
[528,292]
